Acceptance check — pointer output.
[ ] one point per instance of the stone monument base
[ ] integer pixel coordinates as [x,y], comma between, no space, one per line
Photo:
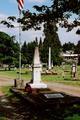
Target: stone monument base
[38,85]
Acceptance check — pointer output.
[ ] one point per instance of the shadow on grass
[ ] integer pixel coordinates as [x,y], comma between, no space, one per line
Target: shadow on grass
[68,79]
[13,108]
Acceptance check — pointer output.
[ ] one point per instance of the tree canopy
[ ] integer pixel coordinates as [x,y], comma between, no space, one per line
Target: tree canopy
[28,52]
[9,49]
[58,12]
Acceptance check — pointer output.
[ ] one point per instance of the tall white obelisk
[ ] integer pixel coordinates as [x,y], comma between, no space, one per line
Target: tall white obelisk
[49,60]
[36,72]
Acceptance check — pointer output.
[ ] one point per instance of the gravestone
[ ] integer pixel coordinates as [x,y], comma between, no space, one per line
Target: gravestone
[53,95]
[49,60]
[36,71]
[74,70]
[63,69]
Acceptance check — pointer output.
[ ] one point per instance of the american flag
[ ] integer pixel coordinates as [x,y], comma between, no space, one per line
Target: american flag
[20,4]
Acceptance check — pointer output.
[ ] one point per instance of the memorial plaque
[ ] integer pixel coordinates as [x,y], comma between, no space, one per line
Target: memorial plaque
[53,95]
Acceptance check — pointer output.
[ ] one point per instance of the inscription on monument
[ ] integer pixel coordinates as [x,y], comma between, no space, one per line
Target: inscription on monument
[53,95]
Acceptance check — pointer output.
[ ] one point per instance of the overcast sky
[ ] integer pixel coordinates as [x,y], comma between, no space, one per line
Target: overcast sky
[9,8]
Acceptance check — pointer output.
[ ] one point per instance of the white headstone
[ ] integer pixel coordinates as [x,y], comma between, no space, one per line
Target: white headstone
[49,61]
[36,72]
[74,70]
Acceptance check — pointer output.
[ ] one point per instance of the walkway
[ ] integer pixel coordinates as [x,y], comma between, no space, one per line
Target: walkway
[71,90]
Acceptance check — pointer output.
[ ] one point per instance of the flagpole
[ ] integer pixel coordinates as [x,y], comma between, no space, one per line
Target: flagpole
[20,7]
[20,47]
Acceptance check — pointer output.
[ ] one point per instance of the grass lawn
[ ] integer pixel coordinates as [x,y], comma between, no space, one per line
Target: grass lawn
[26,74]
[66,72]
[74,117]
[6,91]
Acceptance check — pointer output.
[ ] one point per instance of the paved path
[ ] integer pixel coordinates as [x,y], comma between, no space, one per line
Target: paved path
[71,90]
[6,81]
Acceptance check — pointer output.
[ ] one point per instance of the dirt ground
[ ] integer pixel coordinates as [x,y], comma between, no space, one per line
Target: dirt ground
[71,90]
[6,81]
[68,89]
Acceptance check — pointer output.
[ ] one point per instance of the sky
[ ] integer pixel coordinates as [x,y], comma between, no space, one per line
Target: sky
[9,8]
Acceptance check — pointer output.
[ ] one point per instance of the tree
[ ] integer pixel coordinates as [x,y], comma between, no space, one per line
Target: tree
[36,41]
[28,52]
[51,40]
[9,49]
[24,53]
[68,46]
[40,43]
[40,47]
[50,16]
[78,32]
[77,51]
[58,12]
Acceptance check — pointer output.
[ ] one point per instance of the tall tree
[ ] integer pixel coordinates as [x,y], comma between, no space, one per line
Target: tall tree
[36,41]
[51,40]
[24,53]
[8,49]
[28,52]
[58,12]
[40,47]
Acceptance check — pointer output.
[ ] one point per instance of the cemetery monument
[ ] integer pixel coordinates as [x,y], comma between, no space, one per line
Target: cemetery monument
[36,71]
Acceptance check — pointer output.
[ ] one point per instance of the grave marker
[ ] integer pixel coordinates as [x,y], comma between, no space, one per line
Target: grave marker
[36,71]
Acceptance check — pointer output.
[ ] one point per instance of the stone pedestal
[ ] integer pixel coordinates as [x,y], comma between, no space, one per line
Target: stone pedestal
[38,85]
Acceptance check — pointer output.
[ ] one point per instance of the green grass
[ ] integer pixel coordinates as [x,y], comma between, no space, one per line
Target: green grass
[74,117]
[6,90]
[27,75]
[67,79]
[3,118]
